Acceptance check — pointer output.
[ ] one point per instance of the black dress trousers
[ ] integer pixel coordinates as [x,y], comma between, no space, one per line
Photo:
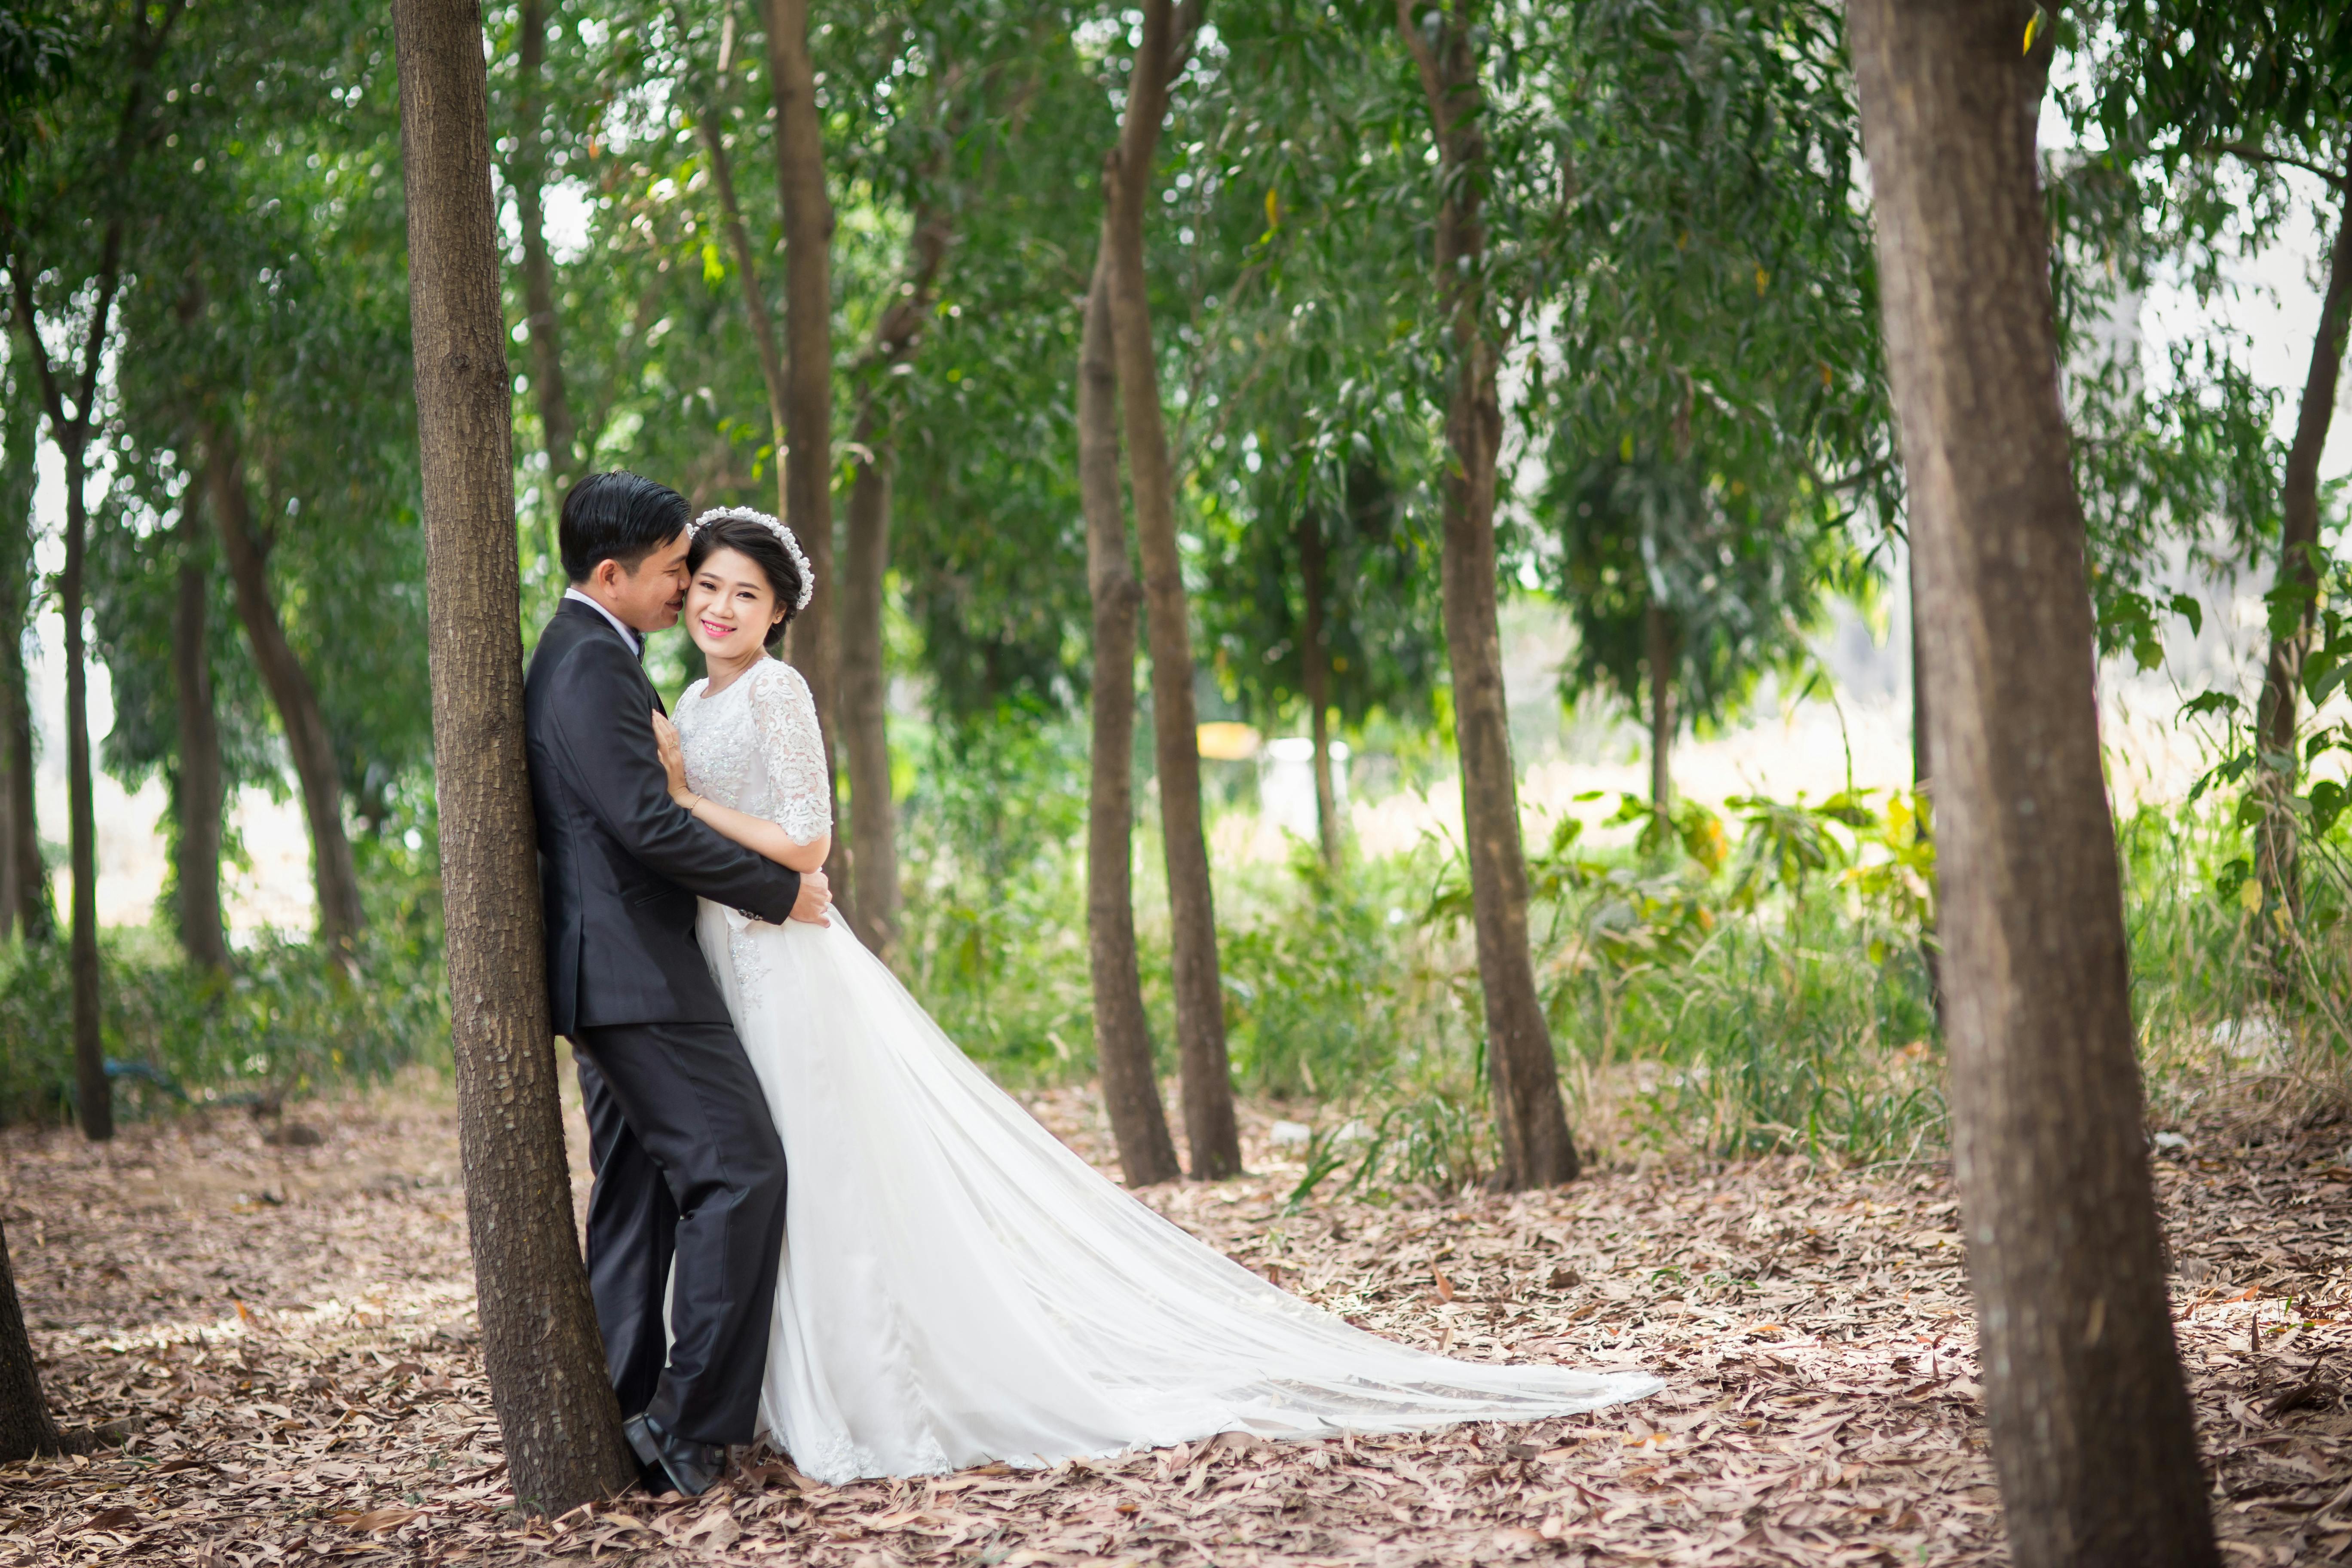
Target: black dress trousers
[688,1167]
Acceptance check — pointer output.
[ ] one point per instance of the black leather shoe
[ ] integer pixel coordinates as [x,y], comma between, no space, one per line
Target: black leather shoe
[691,1469]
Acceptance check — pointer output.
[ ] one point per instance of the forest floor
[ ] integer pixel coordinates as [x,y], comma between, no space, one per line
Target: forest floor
[294,1327]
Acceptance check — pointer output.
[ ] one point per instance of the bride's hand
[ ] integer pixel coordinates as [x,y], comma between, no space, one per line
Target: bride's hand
[673,757]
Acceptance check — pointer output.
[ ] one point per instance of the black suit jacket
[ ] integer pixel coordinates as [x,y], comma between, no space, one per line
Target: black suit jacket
[620,864]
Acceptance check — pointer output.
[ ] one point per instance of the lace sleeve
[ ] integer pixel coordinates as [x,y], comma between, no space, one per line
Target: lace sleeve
[799,794]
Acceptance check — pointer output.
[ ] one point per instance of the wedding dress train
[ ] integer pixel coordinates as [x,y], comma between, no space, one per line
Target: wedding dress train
[958,1287]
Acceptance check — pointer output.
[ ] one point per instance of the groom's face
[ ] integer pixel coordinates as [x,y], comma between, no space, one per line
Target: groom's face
[650,597]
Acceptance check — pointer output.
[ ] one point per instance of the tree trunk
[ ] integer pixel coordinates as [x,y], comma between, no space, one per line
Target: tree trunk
[1315,681]
[1931,947]
[865,679]
[25,906]
[2090,1421]
[93,1095]
[1537,1149]
[1209,1123]
[196,857]
[526,173]
[755,299]
[556,1410]
[1130,1084]
[807,459]
[1658,640]
[864,692]
[2298,574]
[26,1428]
[308,741]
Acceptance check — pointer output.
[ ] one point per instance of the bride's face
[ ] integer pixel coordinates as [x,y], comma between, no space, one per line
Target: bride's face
[730,606]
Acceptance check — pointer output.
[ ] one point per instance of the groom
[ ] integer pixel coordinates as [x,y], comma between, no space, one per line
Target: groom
[689,1167]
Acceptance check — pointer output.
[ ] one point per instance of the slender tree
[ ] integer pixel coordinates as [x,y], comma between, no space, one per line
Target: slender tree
[35,64]
[1537,1149]
[197,783]
[526,175]
[73,423]
[866,563]
[334,873]
[1658,658]
[69,397]
[1210,1128]
[1931,947]
[1315,681]
[26,1428]
[711,129]
[2264,90]
[25,906]
[2296,589]
[555,1406]
[815,641]
[1130,1083]
[2093,1440]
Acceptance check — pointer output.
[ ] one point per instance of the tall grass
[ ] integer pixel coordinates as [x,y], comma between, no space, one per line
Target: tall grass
[1754,982]
[2227,980]
[290,1019]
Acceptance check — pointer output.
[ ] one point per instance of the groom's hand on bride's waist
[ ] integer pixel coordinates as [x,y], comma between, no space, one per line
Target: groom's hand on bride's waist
[816,896]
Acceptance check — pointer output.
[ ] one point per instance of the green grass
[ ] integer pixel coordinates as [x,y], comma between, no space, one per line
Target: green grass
[1722,987]
[288,1021]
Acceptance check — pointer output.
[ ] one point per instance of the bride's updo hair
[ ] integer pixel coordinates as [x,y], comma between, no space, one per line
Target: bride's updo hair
[750,539]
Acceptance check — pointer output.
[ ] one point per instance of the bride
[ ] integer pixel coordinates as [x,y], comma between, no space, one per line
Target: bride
[957,1287]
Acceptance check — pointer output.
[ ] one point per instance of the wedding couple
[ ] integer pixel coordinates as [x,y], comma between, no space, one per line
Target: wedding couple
[939,1283]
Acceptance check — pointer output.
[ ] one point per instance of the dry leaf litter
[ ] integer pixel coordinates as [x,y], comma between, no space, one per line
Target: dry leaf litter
[291,1328]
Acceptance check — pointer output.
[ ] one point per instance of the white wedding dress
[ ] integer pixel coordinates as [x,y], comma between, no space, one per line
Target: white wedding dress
[957,1287]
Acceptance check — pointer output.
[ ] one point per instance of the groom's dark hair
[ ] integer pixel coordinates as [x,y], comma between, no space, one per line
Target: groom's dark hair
[619,516]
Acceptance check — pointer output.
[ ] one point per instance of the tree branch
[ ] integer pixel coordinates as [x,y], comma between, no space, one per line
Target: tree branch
[1185,34]
[109,275]
[21,276]
[1425,58]
[2254,153]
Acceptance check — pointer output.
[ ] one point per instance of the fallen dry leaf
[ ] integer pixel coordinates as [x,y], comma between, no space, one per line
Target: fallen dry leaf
[1813,1326]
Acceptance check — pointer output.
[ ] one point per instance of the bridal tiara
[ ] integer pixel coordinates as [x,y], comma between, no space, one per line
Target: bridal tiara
[792,545]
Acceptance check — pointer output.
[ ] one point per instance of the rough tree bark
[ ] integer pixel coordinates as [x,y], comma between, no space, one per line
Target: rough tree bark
[26,1428]
[1315,681]
[1210,1128]
[814,642]
[197,785]
[1130,1083]
[556,1411]
[1537,1149]
[93,1096]
[307,743]
[2092,1438]
[527,175]
[25,906]
[2298,574]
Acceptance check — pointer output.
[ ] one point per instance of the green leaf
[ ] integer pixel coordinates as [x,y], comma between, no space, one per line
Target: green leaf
[2210,703]
[2328,799]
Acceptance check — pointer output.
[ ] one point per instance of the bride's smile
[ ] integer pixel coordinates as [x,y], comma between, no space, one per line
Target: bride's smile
[729,596]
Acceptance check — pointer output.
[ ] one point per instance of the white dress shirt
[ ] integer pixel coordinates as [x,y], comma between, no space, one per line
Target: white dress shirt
[636,643]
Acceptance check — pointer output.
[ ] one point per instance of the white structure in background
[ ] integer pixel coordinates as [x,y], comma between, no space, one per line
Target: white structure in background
[1286,783]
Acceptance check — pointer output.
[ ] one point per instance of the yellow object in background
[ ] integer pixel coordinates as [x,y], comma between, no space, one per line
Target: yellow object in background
[1226,742]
